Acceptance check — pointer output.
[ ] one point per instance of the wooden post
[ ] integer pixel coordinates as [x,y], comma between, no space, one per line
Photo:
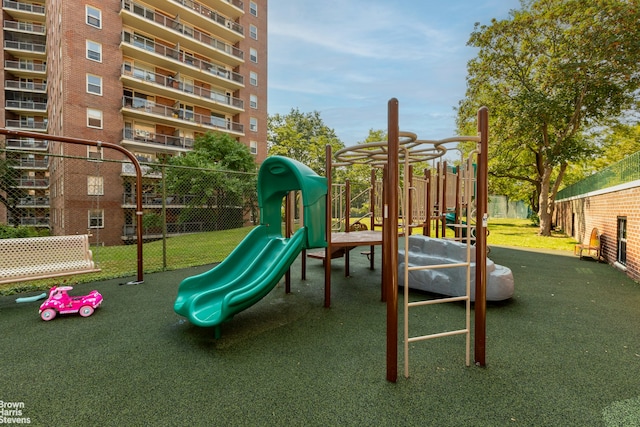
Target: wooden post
[372,220]
[390,240]
[428,203]
[481,239]
[347,223]
[443,207]
[327,253]
[290,200]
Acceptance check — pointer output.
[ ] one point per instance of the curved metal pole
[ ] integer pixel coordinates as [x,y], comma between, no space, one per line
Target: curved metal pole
[116,147]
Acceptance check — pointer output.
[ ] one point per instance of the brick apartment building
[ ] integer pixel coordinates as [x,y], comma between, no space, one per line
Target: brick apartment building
[149,75]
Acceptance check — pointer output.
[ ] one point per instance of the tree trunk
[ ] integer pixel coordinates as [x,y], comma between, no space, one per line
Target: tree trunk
[544,211]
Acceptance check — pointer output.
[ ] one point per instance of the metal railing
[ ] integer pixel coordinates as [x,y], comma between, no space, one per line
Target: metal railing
[40,221]
[29,86]
[33,182]
[32,163]
[171,82]
[26,125]
[24,26]
[33,202]
[26,105]
[179,114]
[622,172]
[167,141]
[213,15]
[25,66]
[25,7]
[34,144]
[186,30]
[182,57]
[25,46]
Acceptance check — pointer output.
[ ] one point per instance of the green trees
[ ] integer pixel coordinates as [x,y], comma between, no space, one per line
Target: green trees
[218,175]
[302,136]
[553,70]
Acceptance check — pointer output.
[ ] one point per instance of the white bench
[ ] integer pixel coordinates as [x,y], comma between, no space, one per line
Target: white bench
[33,258]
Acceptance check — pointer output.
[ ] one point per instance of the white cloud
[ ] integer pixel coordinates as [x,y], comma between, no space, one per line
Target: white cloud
[347,58]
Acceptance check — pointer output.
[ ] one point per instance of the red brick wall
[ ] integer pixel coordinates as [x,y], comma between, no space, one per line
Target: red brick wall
[578,216]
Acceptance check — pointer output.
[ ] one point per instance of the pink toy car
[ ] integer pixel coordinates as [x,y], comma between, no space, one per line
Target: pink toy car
[60,302]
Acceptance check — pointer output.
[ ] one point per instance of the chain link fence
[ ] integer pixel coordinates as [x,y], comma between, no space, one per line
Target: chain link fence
[190,216]
[622,172]
[502,207]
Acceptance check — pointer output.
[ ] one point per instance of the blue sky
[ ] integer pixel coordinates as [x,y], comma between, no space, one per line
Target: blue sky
[347,58]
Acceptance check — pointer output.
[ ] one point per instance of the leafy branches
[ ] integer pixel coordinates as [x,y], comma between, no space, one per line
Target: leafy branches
[553,70]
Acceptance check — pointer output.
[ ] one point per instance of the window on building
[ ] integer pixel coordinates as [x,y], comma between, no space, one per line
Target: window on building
[253,78]
[94,17]
[186,112]
[94,118]
[94,84]
[253,55]
[94,152]
[253,8]
[253,101]
[253,32]
[96,218]
[94,51]
[622,240]
[253,147]
[253,124]
[144,42]
[95,185]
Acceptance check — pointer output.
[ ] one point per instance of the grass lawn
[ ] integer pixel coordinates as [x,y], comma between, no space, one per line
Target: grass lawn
[522,233]
[119,261]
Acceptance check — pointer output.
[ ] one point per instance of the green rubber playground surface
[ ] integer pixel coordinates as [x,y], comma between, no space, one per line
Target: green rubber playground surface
[565,351]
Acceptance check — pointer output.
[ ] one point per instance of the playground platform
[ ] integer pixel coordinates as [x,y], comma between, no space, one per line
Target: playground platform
[563,351]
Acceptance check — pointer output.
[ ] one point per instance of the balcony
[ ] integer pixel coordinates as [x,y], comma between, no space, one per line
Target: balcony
[174,59]
[27,125]
[33,202]
[30,221]
[220,21]
[25,27]
[26,106]
[24,11]
[29,144]
[28,182]
[142,138]
[26,69]
[25,86]
[146,110]
[169,87]
[31,163]
[26,49]
[139,16]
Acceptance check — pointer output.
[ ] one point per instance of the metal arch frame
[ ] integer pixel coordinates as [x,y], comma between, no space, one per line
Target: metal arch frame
[129,154]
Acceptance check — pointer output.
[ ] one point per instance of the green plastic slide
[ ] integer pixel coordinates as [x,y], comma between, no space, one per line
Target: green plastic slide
[264,256]
[242,279]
